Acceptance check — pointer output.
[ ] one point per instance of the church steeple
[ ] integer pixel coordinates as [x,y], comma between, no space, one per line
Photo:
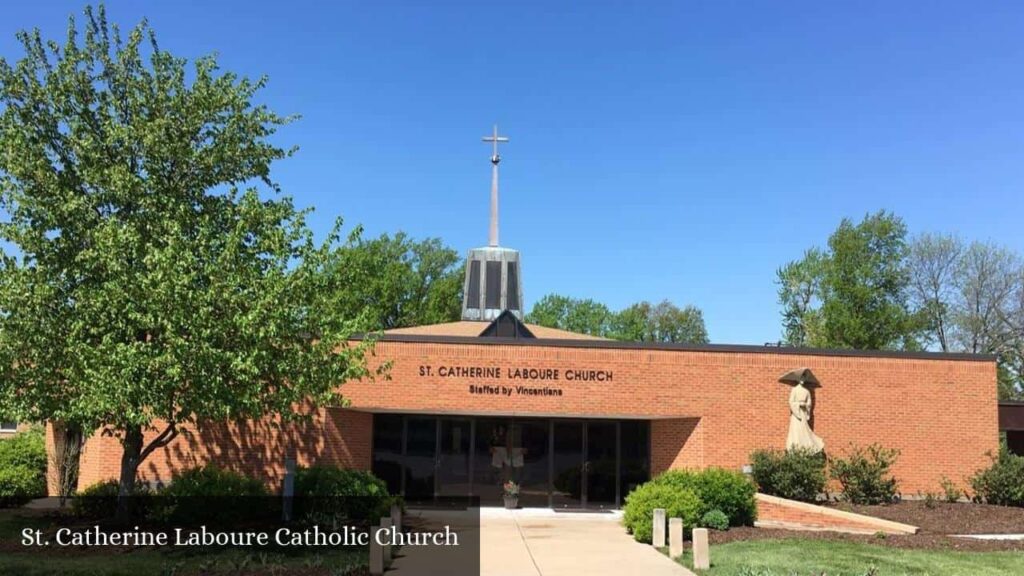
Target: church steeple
[495,159]
[493,283]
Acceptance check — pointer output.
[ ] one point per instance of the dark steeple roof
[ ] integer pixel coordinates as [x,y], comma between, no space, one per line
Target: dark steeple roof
[507,325]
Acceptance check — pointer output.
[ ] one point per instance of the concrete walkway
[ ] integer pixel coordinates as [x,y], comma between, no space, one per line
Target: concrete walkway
[548,543]
[539,542]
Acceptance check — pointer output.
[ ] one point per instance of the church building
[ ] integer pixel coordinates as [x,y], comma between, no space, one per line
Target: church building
[578,421]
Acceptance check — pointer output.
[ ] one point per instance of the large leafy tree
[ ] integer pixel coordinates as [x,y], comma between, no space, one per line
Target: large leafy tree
[395,281]
[662,322]
[584,316]
[864,288]
[799,294]
[854,294]
[640,322]
[146,284]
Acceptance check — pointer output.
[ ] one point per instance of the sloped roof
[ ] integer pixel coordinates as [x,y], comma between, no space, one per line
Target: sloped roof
[473,328]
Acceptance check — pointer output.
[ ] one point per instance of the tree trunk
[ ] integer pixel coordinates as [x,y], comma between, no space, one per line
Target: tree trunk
[67,440]
[130,459]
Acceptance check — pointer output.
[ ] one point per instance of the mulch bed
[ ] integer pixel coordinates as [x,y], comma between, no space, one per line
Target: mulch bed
[947,518]
[935,523]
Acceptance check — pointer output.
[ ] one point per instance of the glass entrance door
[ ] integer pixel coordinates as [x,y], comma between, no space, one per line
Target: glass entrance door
[600,468]
[567,464]
[562,463]
[420,458]
[453,457]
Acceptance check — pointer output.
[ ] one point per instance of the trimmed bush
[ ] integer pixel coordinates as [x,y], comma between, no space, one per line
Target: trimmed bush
[797,474]
[637,514]
[715,519]
[18,485]
[27,450]
[1002,483]
[864,474]
[211,480]
[354,495]
[212,495]
[730,492]
[99,501]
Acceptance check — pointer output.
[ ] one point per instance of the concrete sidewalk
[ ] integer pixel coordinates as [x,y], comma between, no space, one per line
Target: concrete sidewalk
[548,543]
[542,542]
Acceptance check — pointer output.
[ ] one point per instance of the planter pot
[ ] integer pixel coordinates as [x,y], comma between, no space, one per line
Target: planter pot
[511,502]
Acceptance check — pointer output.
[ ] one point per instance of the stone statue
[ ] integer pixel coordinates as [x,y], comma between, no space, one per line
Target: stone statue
[800,411]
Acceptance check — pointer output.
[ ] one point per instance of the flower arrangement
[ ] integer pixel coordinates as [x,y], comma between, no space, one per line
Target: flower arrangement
[511,488]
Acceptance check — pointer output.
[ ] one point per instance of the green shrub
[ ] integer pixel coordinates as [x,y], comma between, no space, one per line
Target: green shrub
[950,492]
[213,481]
[864,474]
[22,455]
[355,495]
[19,484]
[100,500]
[1002,483]
[27,450]
[797,474]
[725,490]
[212,495]
[715,519]
[638,512]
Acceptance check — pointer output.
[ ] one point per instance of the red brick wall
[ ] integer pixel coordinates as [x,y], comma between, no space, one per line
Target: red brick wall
[258,448]
[781,513]
[709,408]
[676,443]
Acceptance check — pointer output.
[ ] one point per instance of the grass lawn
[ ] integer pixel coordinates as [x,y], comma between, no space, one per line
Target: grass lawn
[813,557]
[144,562]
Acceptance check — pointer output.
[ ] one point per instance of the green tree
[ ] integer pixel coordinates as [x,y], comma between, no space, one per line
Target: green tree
[856,293]
[633,323]
[583,316]
[395,281]
[640,322]
[799,293]
[148,285]
[663,322]
[864,289]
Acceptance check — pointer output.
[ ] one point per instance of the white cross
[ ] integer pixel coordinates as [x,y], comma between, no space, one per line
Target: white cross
[495,139]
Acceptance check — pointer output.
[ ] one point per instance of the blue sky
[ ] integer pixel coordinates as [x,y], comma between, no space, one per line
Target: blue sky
[682,150]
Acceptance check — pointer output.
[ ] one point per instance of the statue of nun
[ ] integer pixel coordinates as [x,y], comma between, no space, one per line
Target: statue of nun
[800,411]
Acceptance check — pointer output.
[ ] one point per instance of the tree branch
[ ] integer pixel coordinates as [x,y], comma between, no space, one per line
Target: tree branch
[163,439]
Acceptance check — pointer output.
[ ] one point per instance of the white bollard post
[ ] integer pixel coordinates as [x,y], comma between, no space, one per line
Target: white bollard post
[385,523]
[701,552]
[376,552]
[658,535]
[675,537]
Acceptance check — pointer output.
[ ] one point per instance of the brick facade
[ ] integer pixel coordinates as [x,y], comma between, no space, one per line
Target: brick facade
[774,512]
[709,406]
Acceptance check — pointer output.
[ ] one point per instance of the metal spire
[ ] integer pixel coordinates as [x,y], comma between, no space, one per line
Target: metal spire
[495,159]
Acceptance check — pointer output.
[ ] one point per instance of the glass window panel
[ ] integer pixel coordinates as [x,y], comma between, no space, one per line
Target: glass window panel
[387,450]
[420,454]
[635,466]
[567,491]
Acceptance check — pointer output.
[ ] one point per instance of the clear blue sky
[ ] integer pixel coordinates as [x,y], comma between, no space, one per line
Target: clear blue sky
[681,151]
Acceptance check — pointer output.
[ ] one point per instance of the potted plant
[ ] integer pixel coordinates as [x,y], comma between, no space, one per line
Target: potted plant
[511,490]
